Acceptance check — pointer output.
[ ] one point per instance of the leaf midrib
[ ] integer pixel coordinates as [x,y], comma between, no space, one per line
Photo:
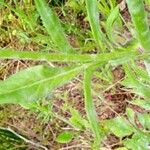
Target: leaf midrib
[40,82]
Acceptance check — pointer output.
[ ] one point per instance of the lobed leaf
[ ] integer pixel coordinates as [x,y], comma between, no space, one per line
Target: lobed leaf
[132,82]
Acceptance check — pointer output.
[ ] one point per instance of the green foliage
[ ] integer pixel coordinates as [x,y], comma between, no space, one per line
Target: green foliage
[10,140]
[142,103]
[137,142]
[30,85]
[110,22]
[64,137]
[93,16]
[77,58]
[132,82]
[77,120]
[140,21]
[119,126]
[33,83]
[53,26]
[90,108]
[123,128]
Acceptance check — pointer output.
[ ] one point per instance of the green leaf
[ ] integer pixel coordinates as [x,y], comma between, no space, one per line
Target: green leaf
[137,142]
[10,140]
[139,18]
[144,119]
[28,18]
[130,113]
[93,16]
[5,132]
[34,83]
[90,108]
[131,82]
[65,137]
[77,120]
[119,126]
[104,8]
[141,73]
[53,26]
[114,14]
[142,103]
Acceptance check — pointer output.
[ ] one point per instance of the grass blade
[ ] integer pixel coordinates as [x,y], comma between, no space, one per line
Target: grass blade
[53,26]
[93,16]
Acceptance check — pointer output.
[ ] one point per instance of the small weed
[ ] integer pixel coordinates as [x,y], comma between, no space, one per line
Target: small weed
[43,48]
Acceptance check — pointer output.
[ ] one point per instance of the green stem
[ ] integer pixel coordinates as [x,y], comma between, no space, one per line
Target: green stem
[78,58]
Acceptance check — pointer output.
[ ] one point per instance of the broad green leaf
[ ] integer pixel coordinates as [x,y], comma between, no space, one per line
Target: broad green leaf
[93,16]
[142,103]
[137,142]
[114,14]
[119,126]
[53,26]
[34,83]
[65,137]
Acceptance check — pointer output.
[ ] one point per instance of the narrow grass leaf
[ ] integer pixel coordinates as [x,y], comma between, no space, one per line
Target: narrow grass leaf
[53,26]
